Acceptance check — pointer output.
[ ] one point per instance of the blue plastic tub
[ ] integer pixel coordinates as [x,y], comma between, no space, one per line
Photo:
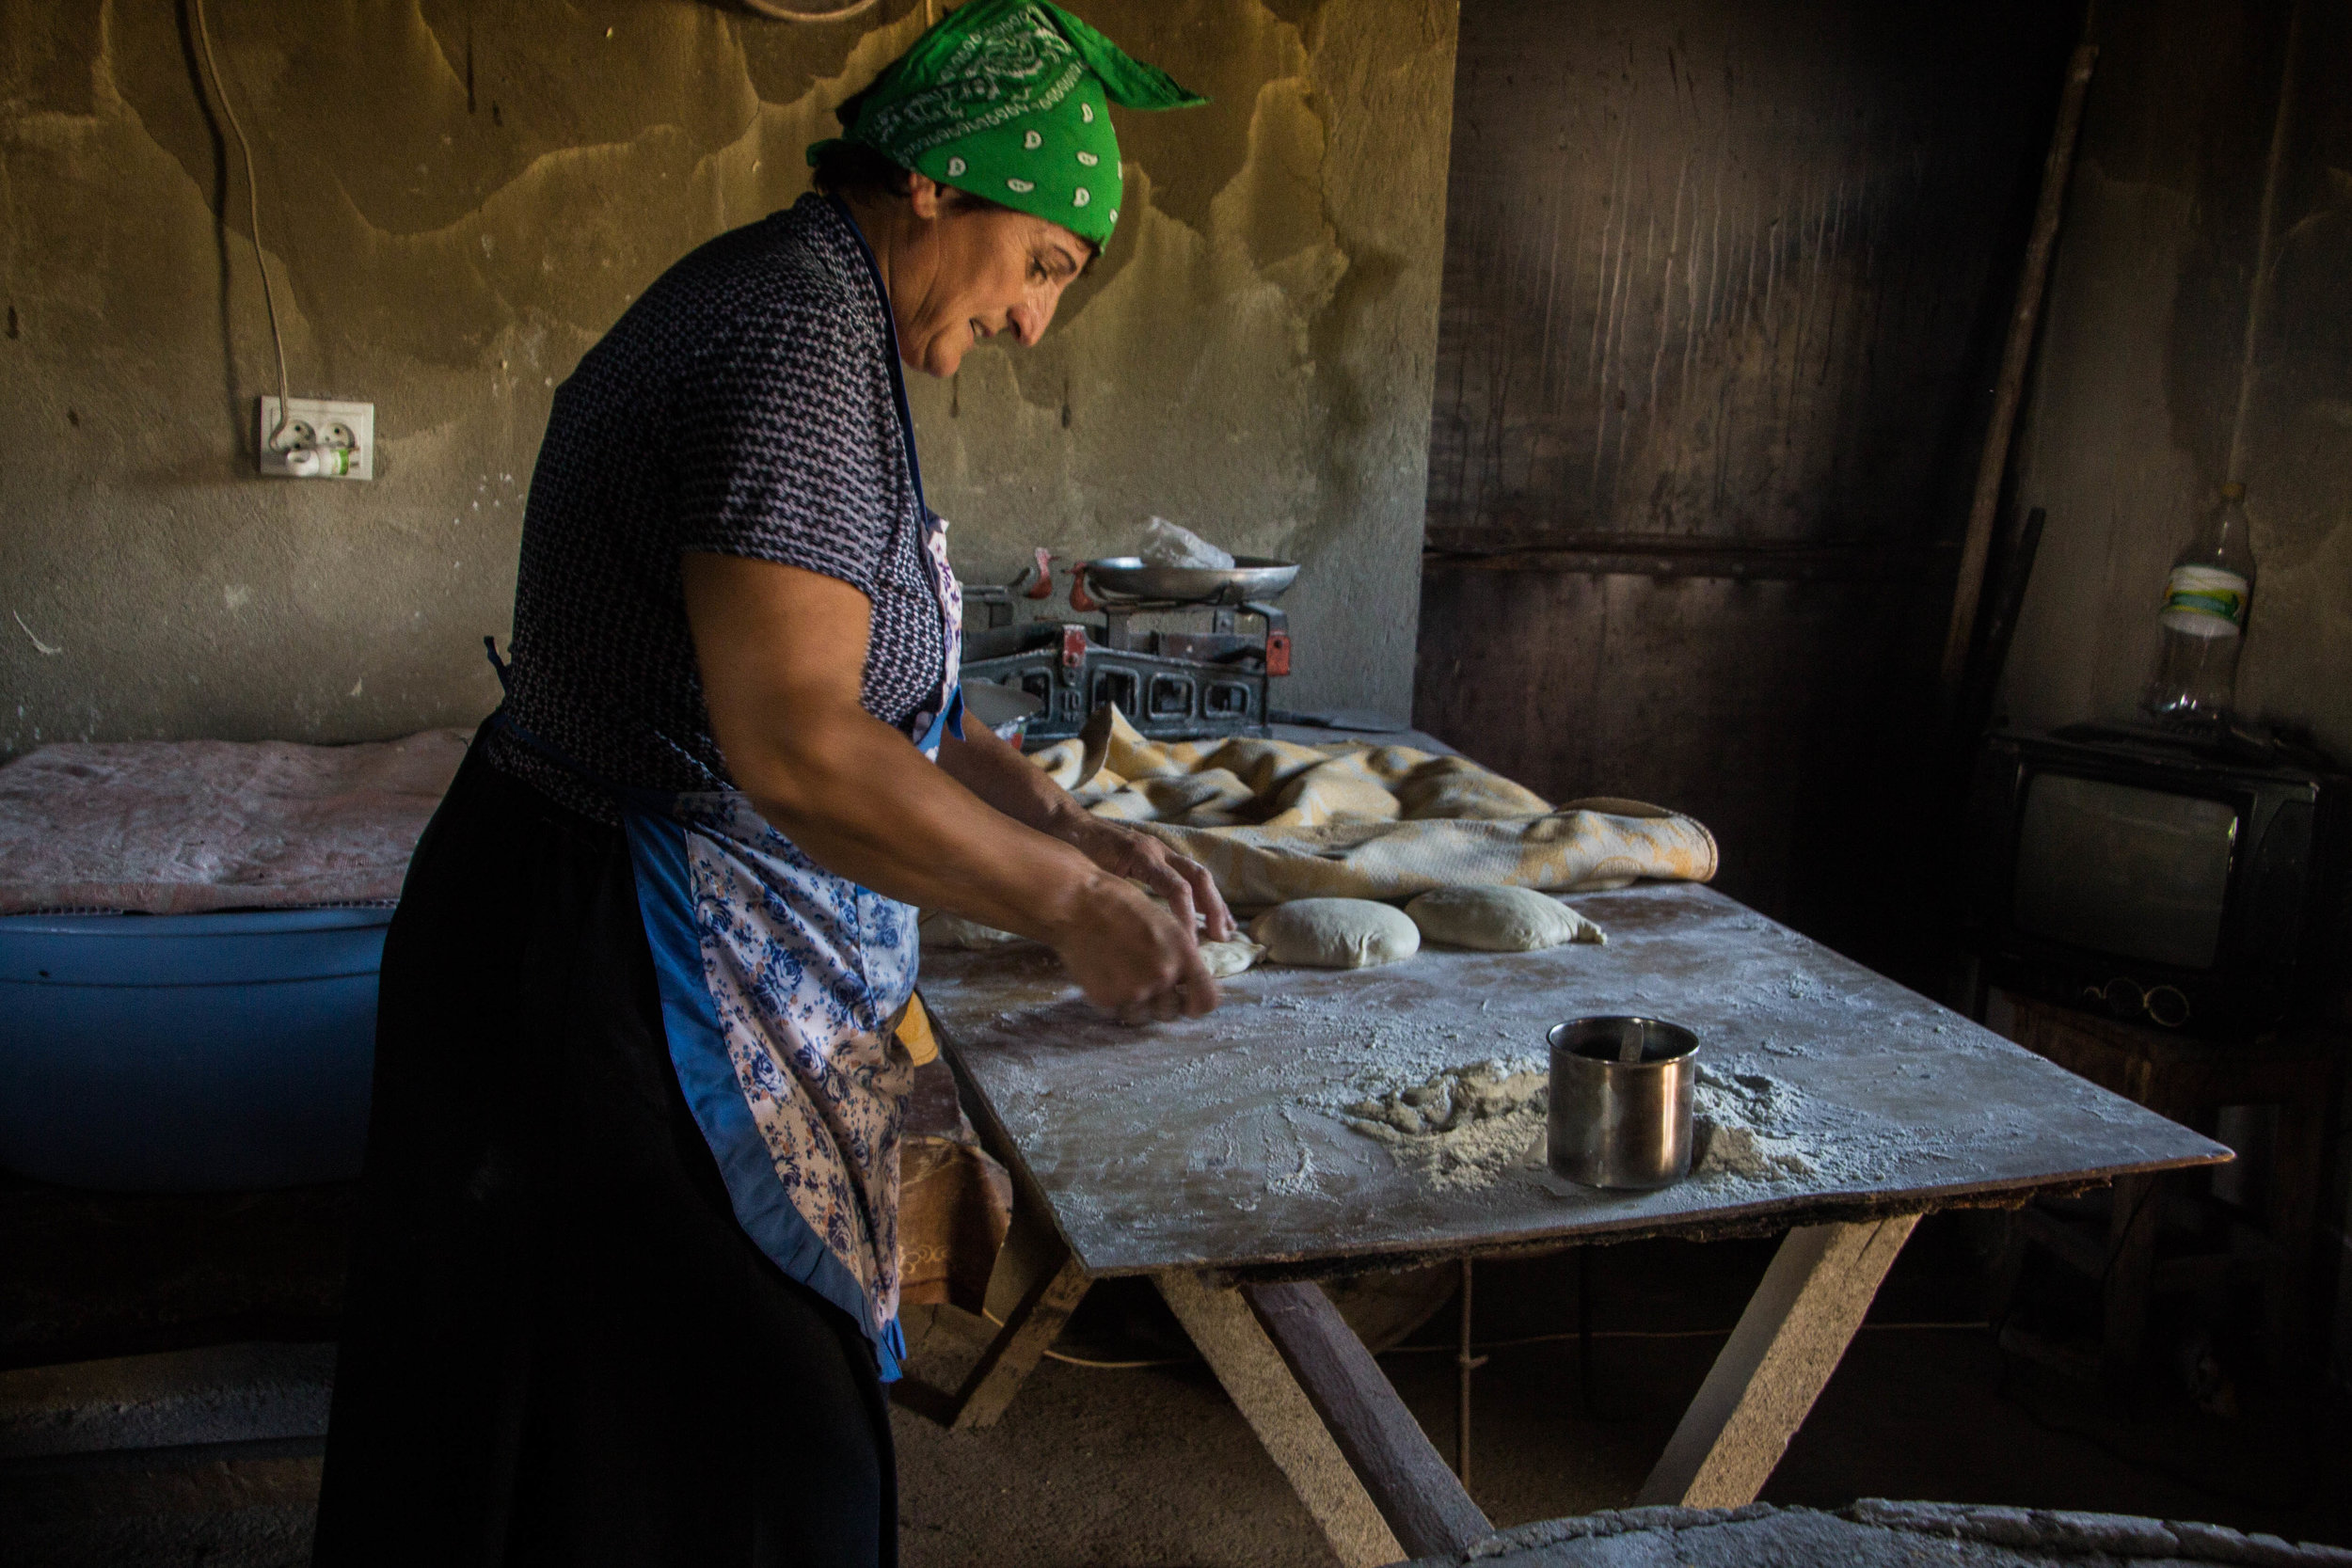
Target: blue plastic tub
[188,1053]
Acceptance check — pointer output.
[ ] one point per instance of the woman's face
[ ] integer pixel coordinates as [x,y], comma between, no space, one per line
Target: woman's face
[959,274]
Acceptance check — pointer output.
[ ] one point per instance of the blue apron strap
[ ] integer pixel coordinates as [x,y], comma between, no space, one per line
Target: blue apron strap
[490,646]
[898,378]
[951,721]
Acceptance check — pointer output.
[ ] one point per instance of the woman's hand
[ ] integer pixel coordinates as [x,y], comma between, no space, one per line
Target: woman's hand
[1130,853]
[1125,963]
[1131,957]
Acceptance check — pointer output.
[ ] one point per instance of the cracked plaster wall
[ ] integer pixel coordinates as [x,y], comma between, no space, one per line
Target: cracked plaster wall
[457,200]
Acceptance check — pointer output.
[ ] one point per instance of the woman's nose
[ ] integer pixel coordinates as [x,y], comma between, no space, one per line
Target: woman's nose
[1031,317]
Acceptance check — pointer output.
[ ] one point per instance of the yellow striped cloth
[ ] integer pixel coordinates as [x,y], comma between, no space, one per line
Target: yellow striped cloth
[1274,821]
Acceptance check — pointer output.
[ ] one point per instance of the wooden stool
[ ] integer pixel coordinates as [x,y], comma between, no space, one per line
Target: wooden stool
[2190,1080]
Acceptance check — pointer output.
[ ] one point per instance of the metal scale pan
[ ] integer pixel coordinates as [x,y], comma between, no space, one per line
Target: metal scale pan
[1132,578]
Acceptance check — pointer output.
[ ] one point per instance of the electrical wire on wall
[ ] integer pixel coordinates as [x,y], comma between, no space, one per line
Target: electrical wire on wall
[253,211]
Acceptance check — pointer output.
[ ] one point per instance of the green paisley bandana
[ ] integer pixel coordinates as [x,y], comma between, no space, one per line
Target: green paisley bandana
[1011,100]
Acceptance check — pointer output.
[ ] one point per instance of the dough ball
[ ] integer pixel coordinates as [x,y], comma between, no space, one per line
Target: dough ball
[1225,959]
[1336,933]
[1499,919]
[942,929]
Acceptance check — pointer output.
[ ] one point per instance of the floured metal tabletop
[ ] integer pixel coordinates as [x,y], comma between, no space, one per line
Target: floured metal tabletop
[1224,1142]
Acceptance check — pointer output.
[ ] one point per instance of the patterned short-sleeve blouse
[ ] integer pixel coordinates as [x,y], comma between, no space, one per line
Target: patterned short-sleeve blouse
[743,405]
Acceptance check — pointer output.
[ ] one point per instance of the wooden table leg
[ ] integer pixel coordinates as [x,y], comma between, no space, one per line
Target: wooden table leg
[1424,1502]
[2132,1230]
[1229,1335]
[1767,1376]
[2299,1163]
[1036,1284]
[1055,1286]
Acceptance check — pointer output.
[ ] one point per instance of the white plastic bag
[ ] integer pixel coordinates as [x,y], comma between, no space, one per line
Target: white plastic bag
[1165,544]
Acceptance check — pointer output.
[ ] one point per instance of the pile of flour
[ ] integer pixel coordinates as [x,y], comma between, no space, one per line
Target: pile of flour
[1462,1127]
[1743,1128]
[1465,1127]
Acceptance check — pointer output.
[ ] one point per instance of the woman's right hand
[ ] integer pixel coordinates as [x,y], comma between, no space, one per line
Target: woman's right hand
[1131,957]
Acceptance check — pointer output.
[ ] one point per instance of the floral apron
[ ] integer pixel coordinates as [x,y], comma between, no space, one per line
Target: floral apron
[781,985]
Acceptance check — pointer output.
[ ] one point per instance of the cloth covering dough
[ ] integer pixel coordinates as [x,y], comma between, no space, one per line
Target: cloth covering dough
[1336,933]
[1274,821]
[1499,919]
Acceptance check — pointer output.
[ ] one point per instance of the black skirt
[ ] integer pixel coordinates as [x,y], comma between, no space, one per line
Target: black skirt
[559,1347]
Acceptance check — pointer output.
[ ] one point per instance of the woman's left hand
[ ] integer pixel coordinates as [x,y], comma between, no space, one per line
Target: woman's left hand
[1125,851]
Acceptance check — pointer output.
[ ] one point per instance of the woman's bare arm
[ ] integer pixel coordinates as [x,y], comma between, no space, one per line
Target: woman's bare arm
[783,654]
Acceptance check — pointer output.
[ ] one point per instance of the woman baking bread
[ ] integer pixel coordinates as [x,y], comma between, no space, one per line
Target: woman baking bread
[625,1283]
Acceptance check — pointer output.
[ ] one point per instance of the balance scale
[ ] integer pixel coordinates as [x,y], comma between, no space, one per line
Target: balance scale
[1210,679]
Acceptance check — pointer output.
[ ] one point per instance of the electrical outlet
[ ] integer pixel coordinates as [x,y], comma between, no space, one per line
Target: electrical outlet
[322,440]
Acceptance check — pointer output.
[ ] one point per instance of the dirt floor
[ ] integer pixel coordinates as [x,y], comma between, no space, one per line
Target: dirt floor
[1152,1464]
[1149,1465]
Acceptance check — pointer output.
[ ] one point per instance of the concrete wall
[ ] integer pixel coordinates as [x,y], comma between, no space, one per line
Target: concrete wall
[457,200]
[2180,234]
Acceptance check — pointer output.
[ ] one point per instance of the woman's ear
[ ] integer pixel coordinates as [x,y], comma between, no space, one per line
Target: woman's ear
[926,196]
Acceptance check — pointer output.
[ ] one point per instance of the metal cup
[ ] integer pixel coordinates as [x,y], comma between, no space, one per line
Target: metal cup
[1621,1101]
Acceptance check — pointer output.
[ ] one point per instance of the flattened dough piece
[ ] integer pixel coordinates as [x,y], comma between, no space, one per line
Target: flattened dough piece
[1228,959]
[1499,919]
[1336,933]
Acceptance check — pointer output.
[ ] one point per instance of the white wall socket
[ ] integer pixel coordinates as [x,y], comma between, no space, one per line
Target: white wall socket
[322,440]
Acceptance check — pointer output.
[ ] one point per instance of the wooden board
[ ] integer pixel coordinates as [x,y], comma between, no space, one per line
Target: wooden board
[1724,290]
[1700,282]
[1744,704]
[1215,1142]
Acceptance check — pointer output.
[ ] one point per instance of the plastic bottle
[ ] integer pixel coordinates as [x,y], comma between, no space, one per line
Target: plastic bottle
[2206,600]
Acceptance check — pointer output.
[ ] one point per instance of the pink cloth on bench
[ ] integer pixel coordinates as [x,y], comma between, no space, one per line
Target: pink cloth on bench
[181,827]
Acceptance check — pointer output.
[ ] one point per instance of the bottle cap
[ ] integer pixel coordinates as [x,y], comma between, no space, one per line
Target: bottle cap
[2233,491]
